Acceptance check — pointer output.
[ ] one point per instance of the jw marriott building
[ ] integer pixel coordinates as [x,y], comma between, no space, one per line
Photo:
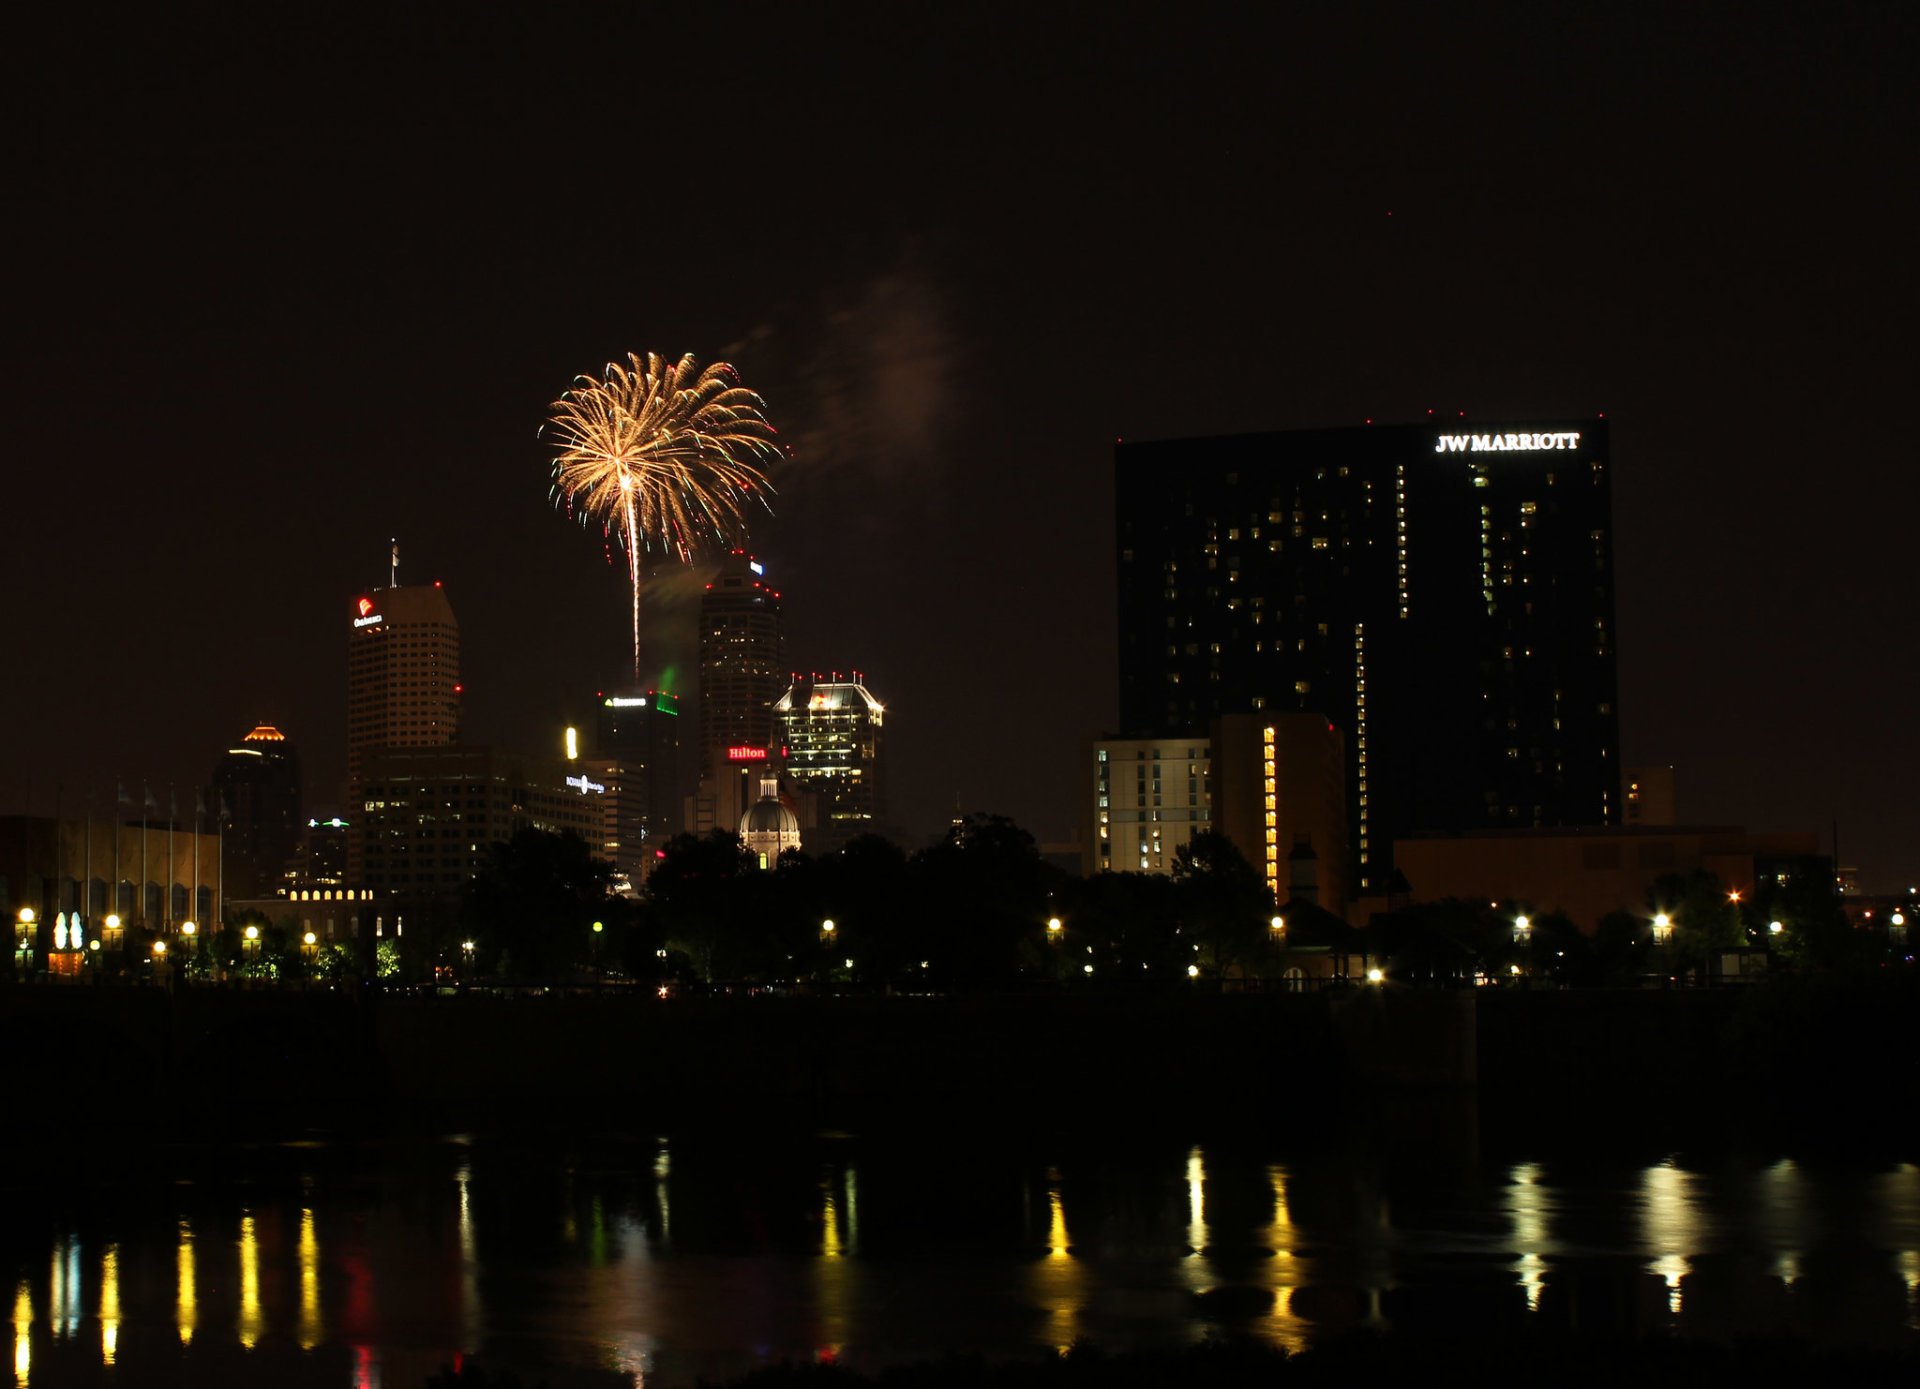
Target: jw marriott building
[1442,594]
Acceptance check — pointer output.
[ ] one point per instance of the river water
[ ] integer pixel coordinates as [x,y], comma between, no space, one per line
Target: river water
[657,1260]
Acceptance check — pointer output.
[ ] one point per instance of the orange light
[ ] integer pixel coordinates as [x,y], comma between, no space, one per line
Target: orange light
[366,606]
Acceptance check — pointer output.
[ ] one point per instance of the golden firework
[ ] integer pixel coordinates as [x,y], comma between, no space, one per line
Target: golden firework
[662,455]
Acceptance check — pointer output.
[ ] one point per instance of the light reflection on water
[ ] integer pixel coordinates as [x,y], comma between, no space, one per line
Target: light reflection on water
[655,1268]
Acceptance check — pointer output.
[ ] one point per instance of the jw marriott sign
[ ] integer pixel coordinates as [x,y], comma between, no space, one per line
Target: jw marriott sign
[1505,443]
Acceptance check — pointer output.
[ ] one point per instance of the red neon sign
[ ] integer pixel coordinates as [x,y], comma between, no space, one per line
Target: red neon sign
[744,754]
[366,606]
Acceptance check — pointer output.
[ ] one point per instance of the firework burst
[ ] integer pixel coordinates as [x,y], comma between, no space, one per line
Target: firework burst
[662,457]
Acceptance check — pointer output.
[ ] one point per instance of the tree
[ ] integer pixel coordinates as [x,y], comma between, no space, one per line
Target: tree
[531,909]
[698,888]
[978,897]
[1703,919]
[1222,902]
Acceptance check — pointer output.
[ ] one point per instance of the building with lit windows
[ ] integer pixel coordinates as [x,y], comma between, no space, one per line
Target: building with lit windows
[1650,797]
[1442,594]
[1273,785]
[257,786]
[635,752]
[428,817]
[403,672]
[830,735]
[743,665]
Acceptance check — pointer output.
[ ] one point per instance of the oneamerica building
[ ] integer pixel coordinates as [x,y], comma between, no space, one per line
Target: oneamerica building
[1443,594]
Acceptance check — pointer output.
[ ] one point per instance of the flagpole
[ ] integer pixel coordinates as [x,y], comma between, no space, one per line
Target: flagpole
[86,887]
[119,799]
[146,808]
[166,911]
[193,892]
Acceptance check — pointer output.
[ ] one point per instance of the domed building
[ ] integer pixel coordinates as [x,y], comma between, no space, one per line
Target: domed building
[769,829]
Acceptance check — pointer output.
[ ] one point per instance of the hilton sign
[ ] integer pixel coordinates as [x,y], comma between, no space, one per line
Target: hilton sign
[1505,443]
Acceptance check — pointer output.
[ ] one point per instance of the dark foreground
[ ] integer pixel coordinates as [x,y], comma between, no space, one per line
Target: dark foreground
[1361,1359]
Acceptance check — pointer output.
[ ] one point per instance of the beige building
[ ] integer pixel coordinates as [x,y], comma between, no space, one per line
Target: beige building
[1273,785]
[403,672]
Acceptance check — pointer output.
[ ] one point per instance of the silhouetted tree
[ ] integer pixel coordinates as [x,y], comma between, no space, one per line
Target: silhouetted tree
[1222,903]
[530,910]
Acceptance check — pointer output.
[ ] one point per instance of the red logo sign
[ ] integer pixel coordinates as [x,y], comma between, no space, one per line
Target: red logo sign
[746,754]
[366,606]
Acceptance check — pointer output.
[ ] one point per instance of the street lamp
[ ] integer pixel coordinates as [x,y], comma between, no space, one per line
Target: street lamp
[1376,975]
[466,953]
[1774,928]
[1522,924]
[1662,928]
[1054,928]
[252,945]
[1278,925]
[827,929]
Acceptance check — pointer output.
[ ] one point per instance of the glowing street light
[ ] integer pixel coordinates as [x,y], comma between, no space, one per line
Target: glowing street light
[187,928]
[1054,928]
[1278,925]
[1662,927]
[1522,924]
[1377,975]
[1774,928]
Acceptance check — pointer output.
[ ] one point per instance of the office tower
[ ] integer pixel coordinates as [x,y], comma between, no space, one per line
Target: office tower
[829,733]
[429,816]
[1443,595]
[257,784]
[635,751]
[403,672]
[742,661]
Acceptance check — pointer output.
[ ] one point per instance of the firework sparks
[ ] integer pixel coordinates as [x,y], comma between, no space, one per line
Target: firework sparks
[662,455]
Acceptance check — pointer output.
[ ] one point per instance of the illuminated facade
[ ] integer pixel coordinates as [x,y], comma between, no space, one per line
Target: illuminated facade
[403,672]
[257,783]
[742,660]
[1273,785]
[1444,596]
[831,735]
[769,828]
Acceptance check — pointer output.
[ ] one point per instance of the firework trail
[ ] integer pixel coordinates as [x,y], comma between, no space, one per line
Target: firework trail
[661,455]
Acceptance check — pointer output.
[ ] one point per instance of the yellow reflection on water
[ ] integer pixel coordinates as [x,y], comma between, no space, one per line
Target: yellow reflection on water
[1670,1224]
[1196,1201]
[1783,1197]
[829,1226]
[186,1312]
[662,1169]
[1196,1270]
[309,1281]
[22,1335]
[1059,1281]
[833,1275]
[1527,1208]
[1284,1272]
[249,1283]
[109,1303]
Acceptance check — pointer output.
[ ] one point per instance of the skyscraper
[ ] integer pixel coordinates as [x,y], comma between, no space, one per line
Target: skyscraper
[830,734]
[742,660]
[403,672]
[1444,595]
[258,784]
[636,753]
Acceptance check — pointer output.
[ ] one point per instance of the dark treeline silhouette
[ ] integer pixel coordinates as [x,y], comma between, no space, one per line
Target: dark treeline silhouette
[982,909]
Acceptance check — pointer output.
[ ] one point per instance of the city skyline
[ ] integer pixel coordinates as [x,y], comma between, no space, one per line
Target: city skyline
[1695,228]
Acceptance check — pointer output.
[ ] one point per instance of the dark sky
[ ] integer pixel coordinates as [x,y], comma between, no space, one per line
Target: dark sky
[281,285]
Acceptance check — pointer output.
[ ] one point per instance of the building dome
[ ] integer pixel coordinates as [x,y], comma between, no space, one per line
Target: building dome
[769,829]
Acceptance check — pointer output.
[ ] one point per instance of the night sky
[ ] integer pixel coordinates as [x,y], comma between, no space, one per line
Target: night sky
[281,285]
